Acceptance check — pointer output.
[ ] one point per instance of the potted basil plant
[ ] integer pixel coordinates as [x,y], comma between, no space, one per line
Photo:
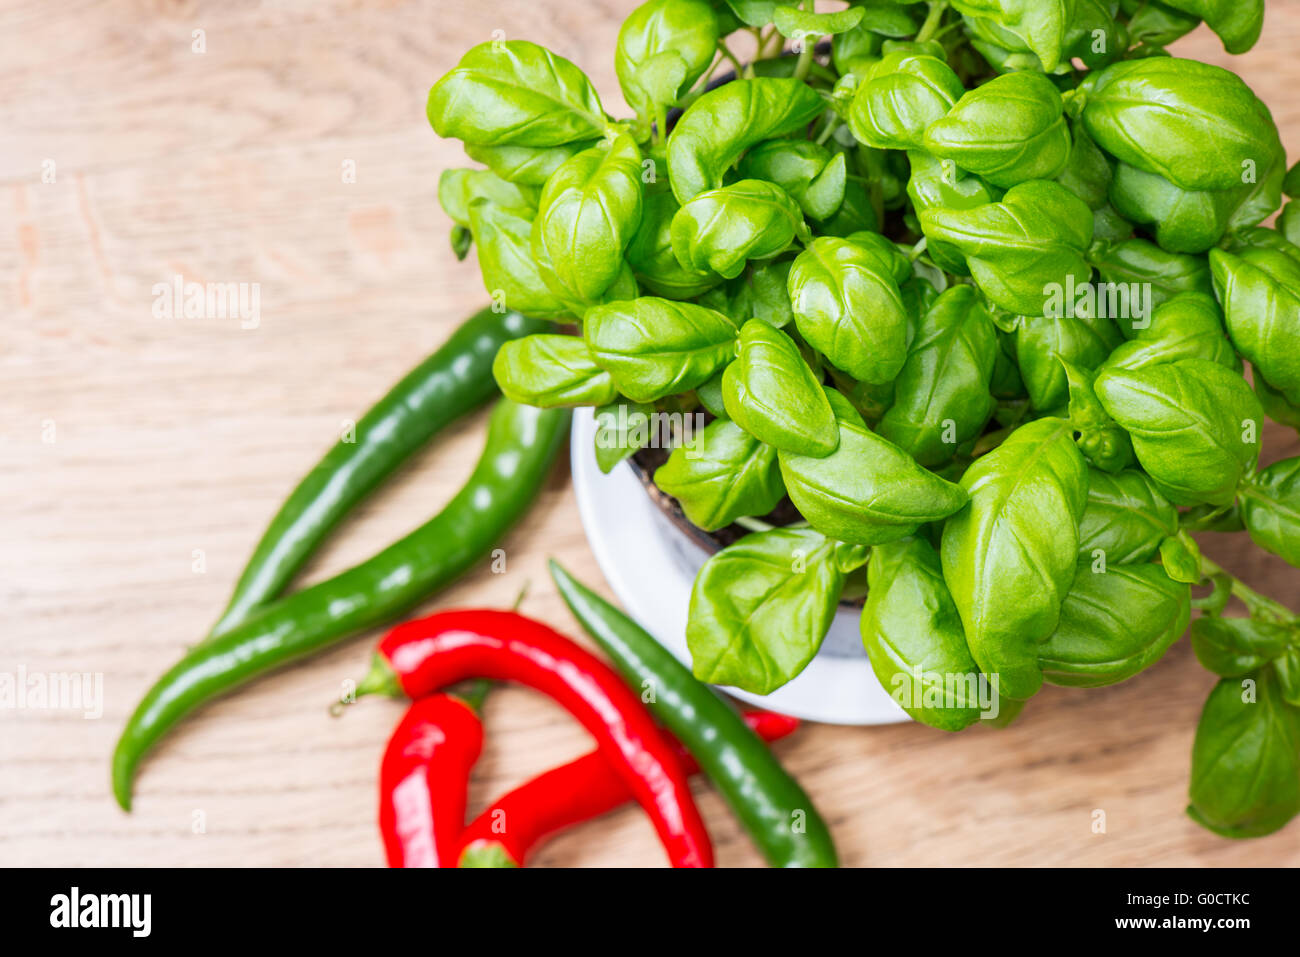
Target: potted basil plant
[966,298]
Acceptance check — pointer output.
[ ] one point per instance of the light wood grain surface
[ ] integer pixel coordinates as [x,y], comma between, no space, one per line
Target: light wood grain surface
[140,457]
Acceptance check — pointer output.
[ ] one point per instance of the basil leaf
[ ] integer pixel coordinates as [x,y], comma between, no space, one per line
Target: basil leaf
[457,188]
[1125,520]
[796,23]
[1194,424]
[1101,440]
[716,130]
[1184,221]
[681,32]
[719,230]
[868,490]
[550,371]
[770,392]
[761,607]
[724,474]
[1040,24]
[589,210]
[525,165]
[914,637]
[515,93]
[1188,326]
[1114,624]
[1270,506]
[510,273]
[813,176]
[622,427]
[1041,344]
[1197,125]
[1142,262]
[901,95]
[941,396]
[1246,760]
[650,253]
[1237,22]
[847,305]
[657,347]
[1008,131]
[1018,248]
[1260,292]
[936,184]
[1009,556]
[1234,647]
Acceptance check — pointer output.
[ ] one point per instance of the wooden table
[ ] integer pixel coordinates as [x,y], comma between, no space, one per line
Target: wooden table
[141,456]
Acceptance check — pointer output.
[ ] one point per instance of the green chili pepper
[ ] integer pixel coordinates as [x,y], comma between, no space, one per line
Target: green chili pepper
[521,444]
[774,809]
[448,384]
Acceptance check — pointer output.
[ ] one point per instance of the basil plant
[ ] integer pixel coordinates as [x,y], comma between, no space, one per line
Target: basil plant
[973,295]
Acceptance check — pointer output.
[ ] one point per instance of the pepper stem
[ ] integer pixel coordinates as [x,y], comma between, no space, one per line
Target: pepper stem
[476,693]
[380,679]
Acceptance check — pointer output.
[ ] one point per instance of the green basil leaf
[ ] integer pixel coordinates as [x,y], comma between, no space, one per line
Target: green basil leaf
[589,210]
[936,184]
[723,474]
[770,392]
[1194,424]
[1188,326]
[795,23]
[525,165]
[1246,759]
[1101,440]
[510,273]
[716,130]
[721,229]
[683,33]
[761,607]
[1184,221]
[1114,624]
[769,298]
[1040,24]
[515,93]
[914,638]
[1008,131]
[622,427]
[1087,173]
[847,305]
[1260,292]
[854,51]
[1125,520]
[458,187]
[650,253]
[657,347]
[1237,22]
[1041,344]
[1276,405]
[1142,262]
[1180,557]
[901,95]
[1270,507]
[1196,125]
[1016,249]
[1234,647]
[868,490]
[941,396]
[1009,556]
[551,370]
[813,176]
[1157,24]
[856,213]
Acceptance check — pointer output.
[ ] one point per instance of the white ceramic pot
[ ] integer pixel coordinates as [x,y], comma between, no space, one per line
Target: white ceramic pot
[650,564]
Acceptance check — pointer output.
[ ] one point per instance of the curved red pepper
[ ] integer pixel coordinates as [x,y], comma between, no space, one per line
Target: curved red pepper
[424,782]
[585,788]
[451,646]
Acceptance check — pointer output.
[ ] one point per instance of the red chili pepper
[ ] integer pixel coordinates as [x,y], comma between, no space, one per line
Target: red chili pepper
[424,782]
[583,789]
[431,653]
